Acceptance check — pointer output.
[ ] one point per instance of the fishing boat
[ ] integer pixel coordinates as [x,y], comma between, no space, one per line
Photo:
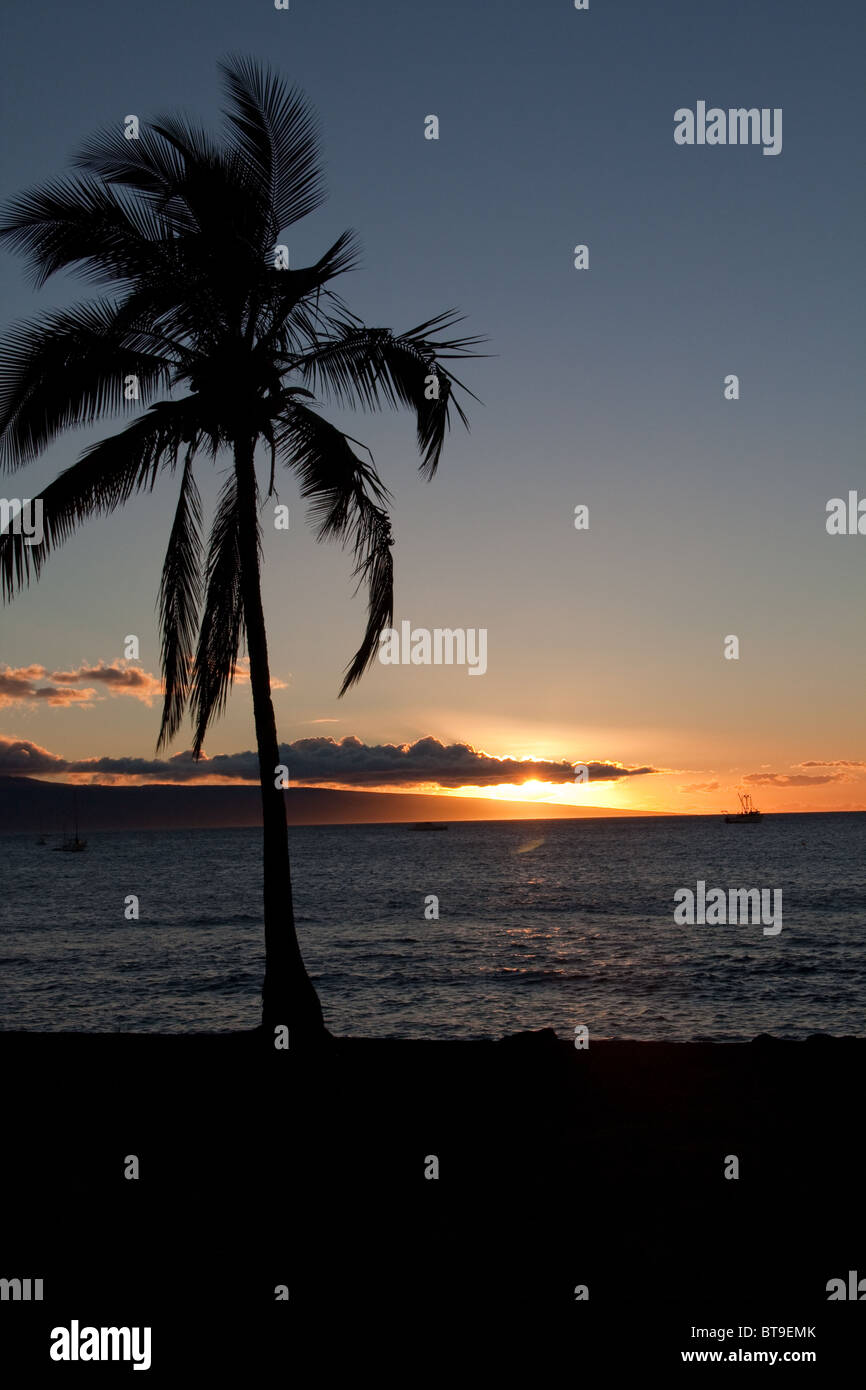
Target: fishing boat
[430,825]
[73,844]
[748,813]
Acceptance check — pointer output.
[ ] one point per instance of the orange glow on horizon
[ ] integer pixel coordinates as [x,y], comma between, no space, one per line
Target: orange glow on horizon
[666,792]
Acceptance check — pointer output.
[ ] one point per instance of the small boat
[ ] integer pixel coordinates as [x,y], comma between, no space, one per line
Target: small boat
[430,825]
[73,844]
[748,813]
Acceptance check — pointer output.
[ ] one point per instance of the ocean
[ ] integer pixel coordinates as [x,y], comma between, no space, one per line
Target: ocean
[559,924]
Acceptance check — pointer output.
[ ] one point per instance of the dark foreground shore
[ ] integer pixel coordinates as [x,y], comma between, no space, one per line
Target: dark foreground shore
[557,1169]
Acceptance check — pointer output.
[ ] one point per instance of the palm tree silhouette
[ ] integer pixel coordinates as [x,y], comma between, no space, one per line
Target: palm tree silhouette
[184,231]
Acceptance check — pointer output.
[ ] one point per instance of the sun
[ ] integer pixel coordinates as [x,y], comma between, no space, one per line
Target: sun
[534,787]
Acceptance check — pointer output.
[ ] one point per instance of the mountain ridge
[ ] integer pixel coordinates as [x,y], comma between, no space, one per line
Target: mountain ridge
[31,805]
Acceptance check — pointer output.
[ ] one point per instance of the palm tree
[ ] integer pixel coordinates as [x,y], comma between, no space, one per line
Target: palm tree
[222,349]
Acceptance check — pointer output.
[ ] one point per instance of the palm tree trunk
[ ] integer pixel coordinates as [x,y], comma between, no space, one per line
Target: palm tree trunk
[288,996]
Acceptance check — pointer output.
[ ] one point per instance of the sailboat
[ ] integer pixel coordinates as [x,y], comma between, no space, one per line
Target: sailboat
[748,813]
[73,844]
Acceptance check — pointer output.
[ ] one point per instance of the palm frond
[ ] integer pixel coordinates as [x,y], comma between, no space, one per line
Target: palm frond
[68,369]
[228,202]
[374,367]
[105,477]
[348,500]
[192,142]
[150,165]
[222,623]
[179,601]
[289,318]
[277,132]
[81,223]
[374,567]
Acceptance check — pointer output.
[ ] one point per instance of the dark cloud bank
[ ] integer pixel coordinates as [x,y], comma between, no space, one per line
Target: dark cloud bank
[348,762]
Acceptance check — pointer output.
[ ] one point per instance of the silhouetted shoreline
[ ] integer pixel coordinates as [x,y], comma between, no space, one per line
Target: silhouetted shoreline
[556,1168]
[28,805]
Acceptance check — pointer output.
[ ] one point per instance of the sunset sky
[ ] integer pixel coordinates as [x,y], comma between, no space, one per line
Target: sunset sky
[604,388]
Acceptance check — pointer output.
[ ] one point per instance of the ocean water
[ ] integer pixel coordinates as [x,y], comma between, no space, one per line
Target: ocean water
[541,924]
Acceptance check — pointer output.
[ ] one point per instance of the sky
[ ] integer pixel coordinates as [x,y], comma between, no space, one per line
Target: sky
[604,388]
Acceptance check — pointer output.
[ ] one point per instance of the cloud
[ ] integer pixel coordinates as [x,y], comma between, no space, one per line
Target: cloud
[839,762]
[778,779]
[21,758]
[348,763]
[352,762]
[242,675]
[119,678]
[701,787]
[19,686]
